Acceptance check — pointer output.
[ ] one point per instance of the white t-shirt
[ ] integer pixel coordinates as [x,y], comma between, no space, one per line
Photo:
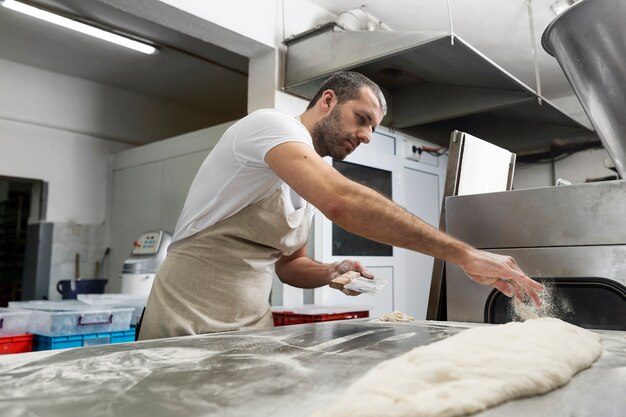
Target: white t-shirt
[234,175]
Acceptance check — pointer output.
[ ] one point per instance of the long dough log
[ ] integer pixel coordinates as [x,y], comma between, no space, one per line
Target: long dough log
[470,371]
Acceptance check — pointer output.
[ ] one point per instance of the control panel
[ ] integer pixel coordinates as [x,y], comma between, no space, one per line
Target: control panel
[147,244]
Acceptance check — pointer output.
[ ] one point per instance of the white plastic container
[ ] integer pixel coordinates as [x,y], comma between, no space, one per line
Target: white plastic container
[137,284]
[61,318]
[137,302]
[13,322]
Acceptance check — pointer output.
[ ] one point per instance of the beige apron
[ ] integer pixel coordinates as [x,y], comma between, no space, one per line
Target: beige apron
[220,278]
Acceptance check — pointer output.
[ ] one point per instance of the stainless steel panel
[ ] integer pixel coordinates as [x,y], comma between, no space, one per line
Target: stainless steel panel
[36,277]
[589,42]
[410,66]
[582,214]
[330,50]
[148,263]
[466,299]
[282,372]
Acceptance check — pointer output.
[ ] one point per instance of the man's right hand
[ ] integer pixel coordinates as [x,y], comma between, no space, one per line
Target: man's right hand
[502,273]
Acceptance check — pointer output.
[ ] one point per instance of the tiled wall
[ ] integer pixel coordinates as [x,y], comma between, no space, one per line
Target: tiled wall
[69,239]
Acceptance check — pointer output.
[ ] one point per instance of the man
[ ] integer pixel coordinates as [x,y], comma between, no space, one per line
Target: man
[249,209]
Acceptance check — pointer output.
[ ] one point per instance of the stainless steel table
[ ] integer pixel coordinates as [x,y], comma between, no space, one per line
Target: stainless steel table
[285,371]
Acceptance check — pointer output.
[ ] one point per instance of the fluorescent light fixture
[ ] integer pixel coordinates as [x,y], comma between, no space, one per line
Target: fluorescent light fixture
[79,27]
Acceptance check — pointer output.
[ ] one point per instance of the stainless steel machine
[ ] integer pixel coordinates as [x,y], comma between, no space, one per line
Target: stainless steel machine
[571,237]
[139,269]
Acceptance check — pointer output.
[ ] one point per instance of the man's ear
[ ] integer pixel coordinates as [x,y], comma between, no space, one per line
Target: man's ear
[327,100]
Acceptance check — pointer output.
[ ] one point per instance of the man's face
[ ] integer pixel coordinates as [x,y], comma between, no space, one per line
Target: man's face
[347,125]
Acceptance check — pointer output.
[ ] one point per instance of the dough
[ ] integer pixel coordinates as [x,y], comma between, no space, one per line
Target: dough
[470,371]
[396,316]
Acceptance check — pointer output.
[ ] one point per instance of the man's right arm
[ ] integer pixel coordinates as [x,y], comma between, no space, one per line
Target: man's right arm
[363,211]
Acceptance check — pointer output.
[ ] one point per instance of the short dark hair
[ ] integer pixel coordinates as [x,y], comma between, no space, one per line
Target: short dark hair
[347,86]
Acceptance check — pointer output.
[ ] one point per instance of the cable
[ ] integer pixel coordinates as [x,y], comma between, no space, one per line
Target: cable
[557,153]
[533,42]
[431,151]
[450,20]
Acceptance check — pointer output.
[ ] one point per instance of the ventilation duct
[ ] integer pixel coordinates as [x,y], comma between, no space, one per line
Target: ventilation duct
[359,19]
[432,86]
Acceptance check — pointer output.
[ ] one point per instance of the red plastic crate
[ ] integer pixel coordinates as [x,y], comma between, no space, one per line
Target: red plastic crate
[16,344]
[285,318]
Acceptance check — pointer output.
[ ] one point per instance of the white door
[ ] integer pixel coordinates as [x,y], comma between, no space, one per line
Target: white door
[422,199]
[380,155]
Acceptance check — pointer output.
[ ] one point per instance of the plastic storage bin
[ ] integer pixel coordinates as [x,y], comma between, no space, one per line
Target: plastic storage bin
[117,300]
[13,322]
[44,305]
[314,314]
[92,339]
[56,318]
[16,344]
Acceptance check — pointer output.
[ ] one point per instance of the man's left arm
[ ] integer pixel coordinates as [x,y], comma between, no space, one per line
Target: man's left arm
[298,270]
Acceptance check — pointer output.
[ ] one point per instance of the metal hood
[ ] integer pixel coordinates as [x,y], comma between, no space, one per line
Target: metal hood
[589,42]
[432,86]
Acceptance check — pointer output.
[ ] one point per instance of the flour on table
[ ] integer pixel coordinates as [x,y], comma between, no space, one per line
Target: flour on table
[396,316]
[471,371]
[553,304]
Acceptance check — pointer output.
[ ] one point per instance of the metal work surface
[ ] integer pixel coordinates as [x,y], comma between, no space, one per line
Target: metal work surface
[285,371]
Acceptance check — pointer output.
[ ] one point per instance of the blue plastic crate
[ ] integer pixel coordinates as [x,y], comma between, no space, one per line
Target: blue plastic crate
[41,342]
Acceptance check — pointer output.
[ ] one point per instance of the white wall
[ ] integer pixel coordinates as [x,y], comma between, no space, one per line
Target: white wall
[55,128]
[258,20]
[77,170]
[249,18]
[31,95]
[577,168]
[75,166]
[63,130]
[150,184]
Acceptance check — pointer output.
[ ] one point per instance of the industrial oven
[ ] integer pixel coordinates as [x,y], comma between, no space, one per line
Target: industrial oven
[572,238]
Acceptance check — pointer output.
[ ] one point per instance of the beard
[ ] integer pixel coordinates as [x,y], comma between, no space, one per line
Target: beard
[328,137]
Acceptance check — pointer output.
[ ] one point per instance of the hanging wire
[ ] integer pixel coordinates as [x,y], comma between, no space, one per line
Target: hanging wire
[450,20]
[534,49]
[282,6]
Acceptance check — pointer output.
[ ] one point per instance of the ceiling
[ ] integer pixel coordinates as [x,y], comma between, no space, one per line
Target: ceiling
[186,71]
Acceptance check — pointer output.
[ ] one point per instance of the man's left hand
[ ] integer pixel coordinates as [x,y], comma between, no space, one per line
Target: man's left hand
[339,268]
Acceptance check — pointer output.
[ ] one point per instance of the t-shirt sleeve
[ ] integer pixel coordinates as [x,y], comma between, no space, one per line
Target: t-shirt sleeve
[264,131]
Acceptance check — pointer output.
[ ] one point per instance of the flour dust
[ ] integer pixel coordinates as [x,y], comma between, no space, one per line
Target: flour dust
[553,304]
